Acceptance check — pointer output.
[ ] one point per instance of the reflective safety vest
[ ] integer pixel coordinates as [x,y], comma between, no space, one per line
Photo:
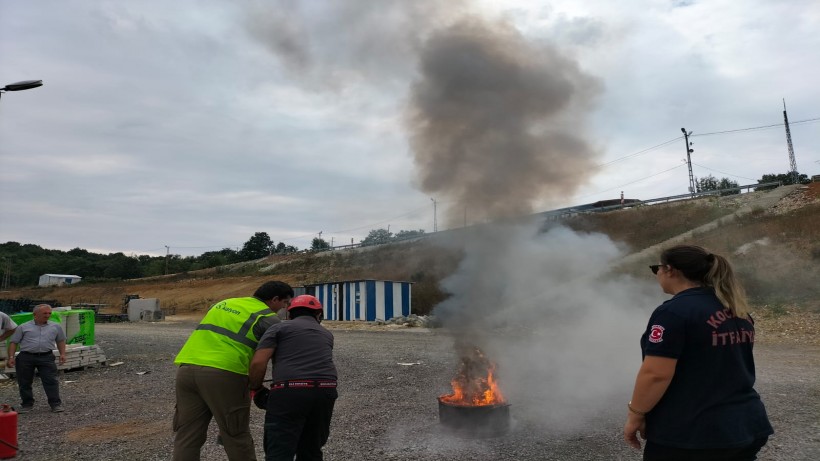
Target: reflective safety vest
[224,339]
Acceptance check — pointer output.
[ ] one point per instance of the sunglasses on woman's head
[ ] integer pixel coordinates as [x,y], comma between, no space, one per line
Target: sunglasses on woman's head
[655,268]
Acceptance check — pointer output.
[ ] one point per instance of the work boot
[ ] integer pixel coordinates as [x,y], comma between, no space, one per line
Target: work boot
[26,409]
[57,409]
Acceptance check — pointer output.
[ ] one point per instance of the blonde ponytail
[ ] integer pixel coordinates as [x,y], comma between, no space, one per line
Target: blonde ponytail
[727,288]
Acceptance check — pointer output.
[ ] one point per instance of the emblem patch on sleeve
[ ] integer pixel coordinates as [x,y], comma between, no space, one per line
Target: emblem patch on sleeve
[656,334]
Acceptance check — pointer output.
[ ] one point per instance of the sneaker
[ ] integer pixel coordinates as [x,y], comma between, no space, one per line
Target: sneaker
[57,409]
[24,409]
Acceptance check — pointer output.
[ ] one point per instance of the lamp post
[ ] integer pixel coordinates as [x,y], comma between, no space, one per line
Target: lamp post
[435,215]
[689,151]
[20,86]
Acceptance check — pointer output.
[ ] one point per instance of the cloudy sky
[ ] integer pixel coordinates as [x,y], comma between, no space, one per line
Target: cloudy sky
[194,124]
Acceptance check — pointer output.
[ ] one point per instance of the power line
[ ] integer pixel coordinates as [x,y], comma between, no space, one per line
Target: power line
[639,152]
[753,128]
[649,149]
[633,182]
[721,172]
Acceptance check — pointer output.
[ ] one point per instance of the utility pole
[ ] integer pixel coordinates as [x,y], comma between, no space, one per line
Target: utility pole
[435,215]
[689,160]
[792,162]
[167,252]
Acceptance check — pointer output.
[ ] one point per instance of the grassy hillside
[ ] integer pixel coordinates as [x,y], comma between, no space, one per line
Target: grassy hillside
[775,250]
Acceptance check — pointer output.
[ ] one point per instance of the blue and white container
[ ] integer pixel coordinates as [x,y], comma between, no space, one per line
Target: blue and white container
[367,300]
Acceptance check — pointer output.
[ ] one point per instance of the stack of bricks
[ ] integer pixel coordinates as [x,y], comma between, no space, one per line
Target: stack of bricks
[77,356]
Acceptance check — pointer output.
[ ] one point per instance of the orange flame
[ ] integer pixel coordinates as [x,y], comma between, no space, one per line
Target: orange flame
[475,384]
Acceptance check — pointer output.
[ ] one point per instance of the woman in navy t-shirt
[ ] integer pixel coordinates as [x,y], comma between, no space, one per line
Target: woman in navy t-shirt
[694,397]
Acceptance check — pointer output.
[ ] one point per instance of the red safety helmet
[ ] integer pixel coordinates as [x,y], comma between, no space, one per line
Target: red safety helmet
[305,301]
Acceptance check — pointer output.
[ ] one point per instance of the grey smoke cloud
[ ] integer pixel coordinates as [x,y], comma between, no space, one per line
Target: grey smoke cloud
[330,45]
[496,122]
[548,308]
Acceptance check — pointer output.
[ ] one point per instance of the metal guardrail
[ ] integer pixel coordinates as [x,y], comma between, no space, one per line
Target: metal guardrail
[714,192]
[588,208]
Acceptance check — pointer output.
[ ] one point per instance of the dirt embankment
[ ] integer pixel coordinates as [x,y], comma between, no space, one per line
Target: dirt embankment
[783,238]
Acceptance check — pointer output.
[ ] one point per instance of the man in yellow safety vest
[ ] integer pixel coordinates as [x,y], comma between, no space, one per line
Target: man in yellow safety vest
[212,378]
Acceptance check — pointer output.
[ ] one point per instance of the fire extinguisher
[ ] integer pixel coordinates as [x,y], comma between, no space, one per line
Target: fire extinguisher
[8,432]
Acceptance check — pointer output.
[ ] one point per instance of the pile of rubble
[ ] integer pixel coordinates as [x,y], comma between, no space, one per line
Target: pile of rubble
[412,320]
[797,199]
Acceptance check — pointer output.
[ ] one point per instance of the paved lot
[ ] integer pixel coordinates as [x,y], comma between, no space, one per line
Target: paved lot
[386,411]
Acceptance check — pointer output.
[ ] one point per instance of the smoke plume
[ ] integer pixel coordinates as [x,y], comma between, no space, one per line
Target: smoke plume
[330,46]
[548,309]
[496,122]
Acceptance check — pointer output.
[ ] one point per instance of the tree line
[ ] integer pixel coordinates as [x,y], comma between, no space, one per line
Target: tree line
[730,187]
[23,264]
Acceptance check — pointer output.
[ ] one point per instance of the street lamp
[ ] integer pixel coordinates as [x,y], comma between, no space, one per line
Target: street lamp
[20,86]
[435,215]
[689,151]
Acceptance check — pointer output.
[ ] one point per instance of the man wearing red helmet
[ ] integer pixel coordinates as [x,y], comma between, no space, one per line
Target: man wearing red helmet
[301,399]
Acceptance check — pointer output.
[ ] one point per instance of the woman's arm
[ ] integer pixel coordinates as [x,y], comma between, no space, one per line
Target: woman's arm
[653,379]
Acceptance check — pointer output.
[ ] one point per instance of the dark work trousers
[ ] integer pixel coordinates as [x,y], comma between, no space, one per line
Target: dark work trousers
[25,365]
[655,452]
[297,422]
[205,393]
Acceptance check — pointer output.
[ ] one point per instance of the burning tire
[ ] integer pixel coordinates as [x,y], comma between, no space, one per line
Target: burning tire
[475,421]
[476,408]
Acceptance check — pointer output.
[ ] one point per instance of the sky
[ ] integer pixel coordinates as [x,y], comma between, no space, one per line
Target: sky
[191,125]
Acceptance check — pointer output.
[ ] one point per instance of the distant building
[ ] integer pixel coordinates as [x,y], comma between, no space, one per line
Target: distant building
[58,279]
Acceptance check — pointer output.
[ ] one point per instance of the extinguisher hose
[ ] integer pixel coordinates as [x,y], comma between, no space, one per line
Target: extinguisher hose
[8,444]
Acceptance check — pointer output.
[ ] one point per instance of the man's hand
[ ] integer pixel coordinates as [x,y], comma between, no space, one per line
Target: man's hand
[10,361]
[258,367]
[62,359]
[260,397]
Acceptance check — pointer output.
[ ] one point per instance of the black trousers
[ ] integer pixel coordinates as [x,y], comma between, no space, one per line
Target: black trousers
[655,452]
[25,364]
[297,422]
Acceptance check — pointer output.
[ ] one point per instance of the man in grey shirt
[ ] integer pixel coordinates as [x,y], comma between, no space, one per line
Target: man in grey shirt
[300,401]
[36,339]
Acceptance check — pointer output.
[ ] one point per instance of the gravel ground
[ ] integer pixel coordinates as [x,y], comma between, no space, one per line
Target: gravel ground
[385,411]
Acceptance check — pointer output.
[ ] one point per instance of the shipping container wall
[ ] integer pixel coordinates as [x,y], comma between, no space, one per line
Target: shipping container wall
[364,299]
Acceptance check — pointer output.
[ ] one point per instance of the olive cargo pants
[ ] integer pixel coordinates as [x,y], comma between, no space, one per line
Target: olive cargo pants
[203,393]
